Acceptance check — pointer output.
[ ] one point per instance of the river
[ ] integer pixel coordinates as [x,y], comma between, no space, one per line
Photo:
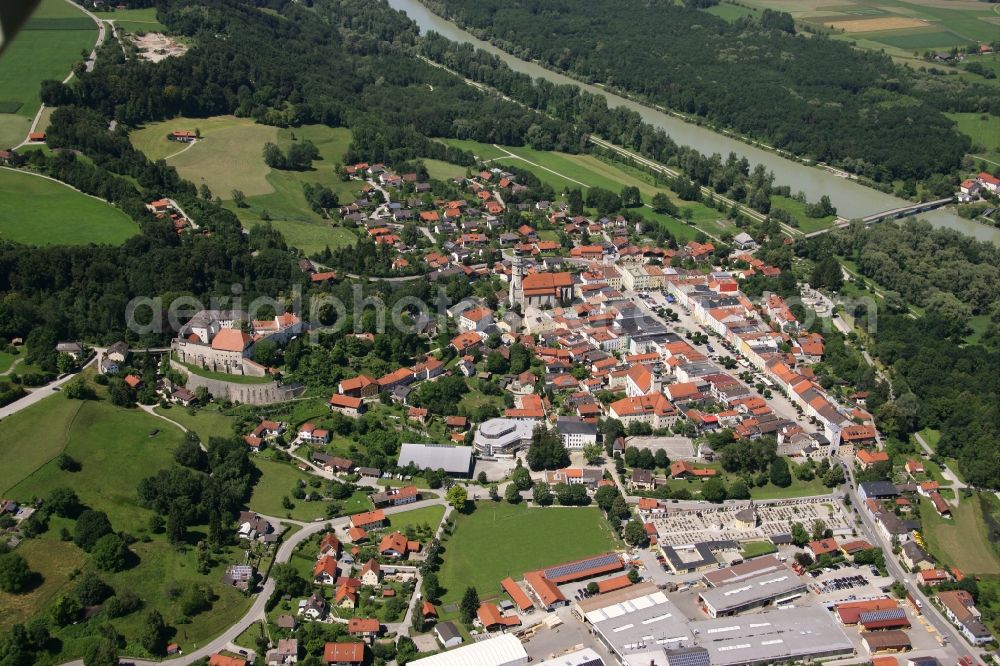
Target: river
[851,199]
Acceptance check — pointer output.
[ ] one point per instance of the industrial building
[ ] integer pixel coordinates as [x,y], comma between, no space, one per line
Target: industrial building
[651,630]
[504,650]
[753,592]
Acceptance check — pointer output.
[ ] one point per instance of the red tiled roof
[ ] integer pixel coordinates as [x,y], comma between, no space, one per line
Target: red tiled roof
[349,652]
[517,595]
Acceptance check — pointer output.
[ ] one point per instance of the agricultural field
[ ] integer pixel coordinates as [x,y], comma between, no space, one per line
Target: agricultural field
[984,130]
[134,20]
[26,453]
[731,12]
[46,48]
[498,540]
[106,441]
[961,541]
[39,211]
[229,157]
[901,27]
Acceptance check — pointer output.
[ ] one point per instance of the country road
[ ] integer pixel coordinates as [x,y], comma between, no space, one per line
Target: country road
[256,610]
[40,393]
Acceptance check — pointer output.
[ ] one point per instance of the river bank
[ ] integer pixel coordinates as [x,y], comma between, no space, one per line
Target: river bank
[851,198]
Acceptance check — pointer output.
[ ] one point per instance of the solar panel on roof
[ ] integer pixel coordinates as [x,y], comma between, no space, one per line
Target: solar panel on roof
[879,615]
[688,657]
[571,568]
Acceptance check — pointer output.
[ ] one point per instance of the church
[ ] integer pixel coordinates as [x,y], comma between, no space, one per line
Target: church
[543,290]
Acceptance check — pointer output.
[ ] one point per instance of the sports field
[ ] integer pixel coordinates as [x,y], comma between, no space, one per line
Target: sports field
[107,441]
[38,211]
[499,540]
[961,541]
[46,48]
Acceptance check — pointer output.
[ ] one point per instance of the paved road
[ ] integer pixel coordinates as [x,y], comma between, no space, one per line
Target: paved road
[39,394]
[875,536]
[256,610]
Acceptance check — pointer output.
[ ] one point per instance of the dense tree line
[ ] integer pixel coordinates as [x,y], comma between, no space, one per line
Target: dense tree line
[264,66]
[837,104]
[730,176]
[941,270]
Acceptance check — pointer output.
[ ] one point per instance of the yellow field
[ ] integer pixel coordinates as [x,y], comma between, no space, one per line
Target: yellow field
[872,25]
[226,158]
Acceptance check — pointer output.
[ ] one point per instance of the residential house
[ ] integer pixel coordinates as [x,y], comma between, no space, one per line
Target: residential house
[367,629]
[369,520]
[346,405]
[396,496]
[361,386]
[314,607]
[310,434]
[395,544]
[286,652]
[371,573]
[343,654]
[960,608]
[448,634]
[326,572]
[642,479]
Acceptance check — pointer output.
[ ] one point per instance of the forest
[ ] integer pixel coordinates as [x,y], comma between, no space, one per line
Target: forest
[939,380]
[816,97]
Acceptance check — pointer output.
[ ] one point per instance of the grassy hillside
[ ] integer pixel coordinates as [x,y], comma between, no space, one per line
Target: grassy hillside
[46,48]
[39,211]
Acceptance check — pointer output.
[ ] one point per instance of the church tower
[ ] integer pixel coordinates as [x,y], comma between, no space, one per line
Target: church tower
[516,275]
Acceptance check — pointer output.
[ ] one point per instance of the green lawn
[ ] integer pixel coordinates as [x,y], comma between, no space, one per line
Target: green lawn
[224,376]
[500,539]
[38,211]
[978,325]
[757,548]
[798,210]
[960,541]
[46,48]
[206,422]
[134,20]
[429,514]
[277,480]
[107,441]
[983,129]
[6,360]
[23,450]
[443,170]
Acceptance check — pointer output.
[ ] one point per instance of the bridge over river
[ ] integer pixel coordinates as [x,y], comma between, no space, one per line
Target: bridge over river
[893,214]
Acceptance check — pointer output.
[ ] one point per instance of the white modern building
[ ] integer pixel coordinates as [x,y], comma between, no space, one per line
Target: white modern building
[503,437]
[504,650]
